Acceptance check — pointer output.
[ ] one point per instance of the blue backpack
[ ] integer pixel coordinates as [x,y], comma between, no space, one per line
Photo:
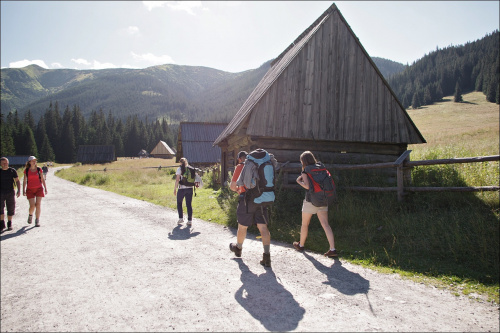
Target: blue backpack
[261,166]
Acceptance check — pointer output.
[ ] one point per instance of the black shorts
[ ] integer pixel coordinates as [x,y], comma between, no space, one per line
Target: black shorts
[255,214]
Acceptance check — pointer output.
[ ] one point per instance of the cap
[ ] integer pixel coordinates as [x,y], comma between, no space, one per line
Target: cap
[242,154]
[31,158]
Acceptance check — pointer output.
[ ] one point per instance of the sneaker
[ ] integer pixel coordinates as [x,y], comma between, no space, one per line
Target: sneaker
[237,251]
[37,222]
[189,223]
[297,247]
[331,254]
[9,225]
[266,260]
[181,221]
[30,218]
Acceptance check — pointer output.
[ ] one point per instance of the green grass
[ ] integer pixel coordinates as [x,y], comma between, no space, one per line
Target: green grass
[449,240]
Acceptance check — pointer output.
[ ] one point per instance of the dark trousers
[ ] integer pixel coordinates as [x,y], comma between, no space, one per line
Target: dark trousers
[8,199]
[188,194]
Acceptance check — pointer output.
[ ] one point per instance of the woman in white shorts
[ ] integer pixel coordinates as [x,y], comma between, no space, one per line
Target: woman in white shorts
[308,209]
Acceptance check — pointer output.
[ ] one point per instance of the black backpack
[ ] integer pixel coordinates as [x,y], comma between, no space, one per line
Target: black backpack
[322,190]
[188,177]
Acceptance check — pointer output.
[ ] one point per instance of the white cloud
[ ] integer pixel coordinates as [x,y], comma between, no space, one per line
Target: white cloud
[150,5]
[186,6]
[26,62]
[133,30]
[81,61]
[56,65]
[153,59]
[98,65]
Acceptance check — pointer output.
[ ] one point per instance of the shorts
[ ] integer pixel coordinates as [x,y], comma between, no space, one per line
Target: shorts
[9,200]
[34,192]
[256,214]
[308,207]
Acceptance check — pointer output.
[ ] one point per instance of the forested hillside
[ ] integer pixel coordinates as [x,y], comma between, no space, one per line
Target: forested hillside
[471,67]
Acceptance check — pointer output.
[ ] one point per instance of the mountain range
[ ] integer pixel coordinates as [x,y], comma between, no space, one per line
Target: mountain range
[172,92]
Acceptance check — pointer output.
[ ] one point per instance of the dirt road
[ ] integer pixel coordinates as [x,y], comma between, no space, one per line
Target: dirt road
[104,262]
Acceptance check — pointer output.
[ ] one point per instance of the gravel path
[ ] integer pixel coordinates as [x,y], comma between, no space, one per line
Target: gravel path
[105,262]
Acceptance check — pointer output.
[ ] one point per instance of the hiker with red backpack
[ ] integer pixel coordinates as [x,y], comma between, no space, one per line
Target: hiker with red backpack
[33,188]
[309,206]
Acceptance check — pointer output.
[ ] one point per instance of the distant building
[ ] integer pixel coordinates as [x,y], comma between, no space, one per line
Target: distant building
[195,142]
[17,160]
[91,154]
[162,150]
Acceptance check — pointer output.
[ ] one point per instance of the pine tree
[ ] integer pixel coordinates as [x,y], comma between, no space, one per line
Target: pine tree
[415,102]
[457,98]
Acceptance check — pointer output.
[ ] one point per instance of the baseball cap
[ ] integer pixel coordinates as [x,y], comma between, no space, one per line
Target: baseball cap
[242,154]
[31,158]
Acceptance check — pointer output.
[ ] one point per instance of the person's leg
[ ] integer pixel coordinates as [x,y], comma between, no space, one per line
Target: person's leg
[304,228]
[189,200]
[11,209]
[180,197]
[323,219]
[2,208]
[38,206]
[241,234]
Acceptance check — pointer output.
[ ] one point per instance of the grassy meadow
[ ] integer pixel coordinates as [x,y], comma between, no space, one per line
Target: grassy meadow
[449,240]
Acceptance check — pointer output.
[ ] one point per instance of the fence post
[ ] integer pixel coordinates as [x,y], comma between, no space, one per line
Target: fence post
[400,174]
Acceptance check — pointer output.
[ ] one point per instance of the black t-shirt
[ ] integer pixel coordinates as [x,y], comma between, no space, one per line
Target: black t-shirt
[7,179]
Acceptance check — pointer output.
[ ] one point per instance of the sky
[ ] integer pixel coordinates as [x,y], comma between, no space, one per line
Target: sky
[232,36]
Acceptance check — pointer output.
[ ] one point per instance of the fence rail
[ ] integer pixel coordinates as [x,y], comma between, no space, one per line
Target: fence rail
[401,164]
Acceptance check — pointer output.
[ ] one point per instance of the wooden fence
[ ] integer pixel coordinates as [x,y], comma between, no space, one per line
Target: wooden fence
[402,164]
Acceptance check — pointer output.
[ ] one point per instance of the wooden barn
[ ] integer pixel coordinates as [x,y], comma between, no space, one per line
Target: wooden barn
[162,150]
[324,94]
[195,142]
[90,154]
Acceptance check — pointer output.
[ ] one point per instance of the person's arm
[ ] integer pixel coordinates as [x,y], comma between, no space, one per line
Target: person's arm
[44,184]
[24,183]
[303,181]
[177,180]
[18,185]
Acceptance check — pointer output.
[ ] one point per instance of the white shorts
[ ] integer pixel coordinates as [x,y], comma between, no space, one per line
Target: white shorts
[308,207]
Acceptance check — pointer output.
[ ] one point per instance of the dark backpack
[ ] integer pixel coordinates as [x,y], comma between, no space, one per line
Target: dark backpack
[38,169]
[188,177]
[322,190]
[260,189]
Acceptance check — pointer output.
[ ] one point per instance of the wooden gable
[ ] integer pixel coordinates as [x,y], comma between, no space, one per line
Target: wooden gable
[324,87]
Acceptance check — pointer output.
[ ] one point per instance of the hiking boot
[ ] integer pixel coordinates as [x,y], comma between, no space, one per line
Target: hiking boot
[331,254]
[189,223]
[9,225]
[266,260]
[37,222]
[181,221]
[297,247]
[237,251]
[30,218]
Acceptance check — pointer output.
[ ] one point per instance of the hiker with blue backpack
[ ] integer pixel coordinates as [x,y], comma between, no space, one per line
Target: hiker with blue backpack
[253,180]
[320,187]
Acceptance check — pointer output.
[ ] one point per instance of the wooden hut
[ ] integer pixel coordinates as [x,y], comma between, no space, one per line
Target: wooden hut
[96,154]
[162,150]
[325,94]
[195,142]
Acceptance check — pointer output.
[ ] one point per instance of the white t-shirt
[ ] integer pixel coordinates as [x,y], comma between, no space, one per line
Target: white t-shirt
[178,172]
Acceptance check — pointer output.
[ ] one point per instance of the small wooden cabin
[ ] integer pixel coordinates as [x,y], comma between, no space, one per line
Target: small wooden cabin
[162,150]
[195,142]
[324,94]
[96,154]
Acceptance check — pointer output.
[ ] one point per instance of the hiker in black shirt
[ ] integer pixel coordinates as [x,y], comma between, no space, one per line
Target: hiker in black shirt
[8,176]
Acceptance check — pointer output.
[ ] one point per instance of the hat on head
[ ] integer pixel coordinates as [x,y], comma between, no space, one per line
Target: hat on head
[242,154]
[31,158]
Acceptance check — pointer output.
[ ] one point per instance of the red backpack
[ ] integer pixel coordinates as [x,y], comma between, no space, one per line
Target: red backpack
[322,190]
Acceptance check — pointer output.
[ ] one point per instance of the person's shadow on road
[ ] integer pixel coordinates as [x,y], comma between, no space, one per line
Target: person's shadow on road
[19,232]
[340,278]
[179,233]
[345,281]
[267,300]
